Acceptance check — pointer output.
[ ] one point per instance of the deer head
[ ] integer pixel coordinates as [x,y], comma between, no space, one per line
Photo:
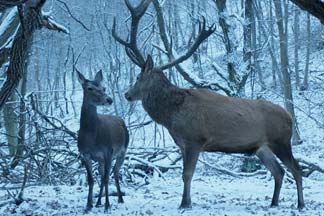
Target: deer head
[144,82]
[93,92]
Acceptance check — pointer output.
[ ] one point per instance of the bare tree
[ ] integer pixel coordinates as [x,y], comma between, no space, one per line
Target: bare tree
[33,19]
[306,71]
[237,79]
[296,47]
[289,104]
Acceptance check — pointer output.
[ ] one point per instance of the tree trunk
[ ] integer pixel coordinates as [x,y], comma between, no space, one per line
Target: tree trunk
[289,104]
[11,125]
[221,6]
[305,81]
[19,53]
[247,49]
[22,120]
[296,47]
[257,37]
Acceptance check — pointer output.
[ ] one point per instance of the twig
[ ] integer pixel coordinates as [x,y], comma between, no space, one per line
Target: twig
[47,119]
[73,17]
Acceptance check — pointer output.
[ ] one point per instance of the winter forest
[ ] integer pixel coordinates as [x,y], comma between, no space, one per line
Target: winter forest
[160,107]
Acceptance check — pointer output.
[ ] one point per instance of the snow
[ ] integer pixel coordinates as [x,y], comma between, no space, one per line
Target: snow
[211,195]
[213,192]
[5,24]
[8,20]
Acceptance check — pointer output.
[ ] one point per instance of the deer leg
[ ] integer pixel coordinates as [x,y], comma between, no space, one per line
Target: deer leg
[88,166]
[118,164]
[269,160]
[107,169]
[101,173]
[190,156]
[290,162]
[295,169]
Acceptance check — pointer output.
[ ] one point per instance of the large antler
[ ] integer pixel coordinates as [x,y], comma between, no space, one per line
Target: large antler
[132,50]
[204,33]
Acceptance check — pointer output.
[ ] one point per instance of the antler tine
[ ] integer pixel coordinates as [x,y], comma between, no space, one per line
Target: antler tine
[132,50]
[203,35]
[76,69]
[202,25]
[139,10]
[114,34]
[142,7]
[133,57]
[129,6]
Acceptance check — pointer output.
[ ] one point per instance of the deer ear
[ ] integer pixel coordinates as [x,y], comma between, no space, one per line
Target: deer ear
[81,78]
[149,63]
[98,77]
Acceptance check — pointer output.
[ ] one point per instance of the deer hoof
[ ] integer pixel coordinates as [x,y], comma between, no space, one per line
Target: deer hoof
[301,206]
[87,210]
[107,210]
[273,205]
[98,204]
[185,206]
[120,200]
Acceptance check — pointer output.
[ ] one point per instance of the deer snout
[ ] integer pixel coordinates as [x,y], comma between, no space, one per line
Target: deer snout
[109,101]
[128,97]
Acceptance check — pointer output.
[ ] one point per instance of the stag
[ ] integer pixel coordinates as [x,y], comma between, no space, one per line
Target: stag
[203,121]
[101,138]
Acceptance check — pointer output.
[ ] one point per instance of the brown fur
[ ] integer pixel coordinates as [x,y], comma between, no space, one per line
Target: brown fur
[200,120]
[102,138]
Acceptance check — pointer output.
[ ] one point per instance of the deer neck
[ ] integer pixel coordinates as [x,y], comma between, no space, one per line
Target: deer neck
[162,102]
[89,117]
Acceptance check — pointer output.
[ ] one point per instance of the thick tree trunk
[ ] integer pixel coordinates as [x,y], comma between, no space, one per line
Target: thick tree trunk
[19,53]
[11,125]
[221,6]
[31,19]
[22,120]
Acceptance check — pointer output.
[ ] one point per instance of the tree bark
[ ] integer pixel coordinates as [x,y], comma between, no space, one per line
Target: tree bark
[32,19]
[11,126]
[247,49]
[221,6]
[19,53]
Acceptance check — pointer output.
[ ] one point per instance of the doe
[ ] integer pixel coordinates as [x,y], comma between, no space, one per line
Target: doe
[101,138]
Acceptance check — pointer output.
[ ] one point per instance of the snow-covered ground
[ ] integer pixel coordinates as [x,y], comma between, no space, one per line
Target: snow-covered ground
[211,195]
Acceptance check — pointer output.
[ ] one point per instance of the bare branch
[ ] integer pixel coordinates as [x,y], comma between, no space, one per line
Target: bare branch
[72,16]
[50,24]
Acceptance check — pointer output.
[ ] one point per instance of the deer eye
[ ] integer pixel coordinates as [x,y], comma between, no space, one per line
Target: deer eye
[90,89]
[138,77]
